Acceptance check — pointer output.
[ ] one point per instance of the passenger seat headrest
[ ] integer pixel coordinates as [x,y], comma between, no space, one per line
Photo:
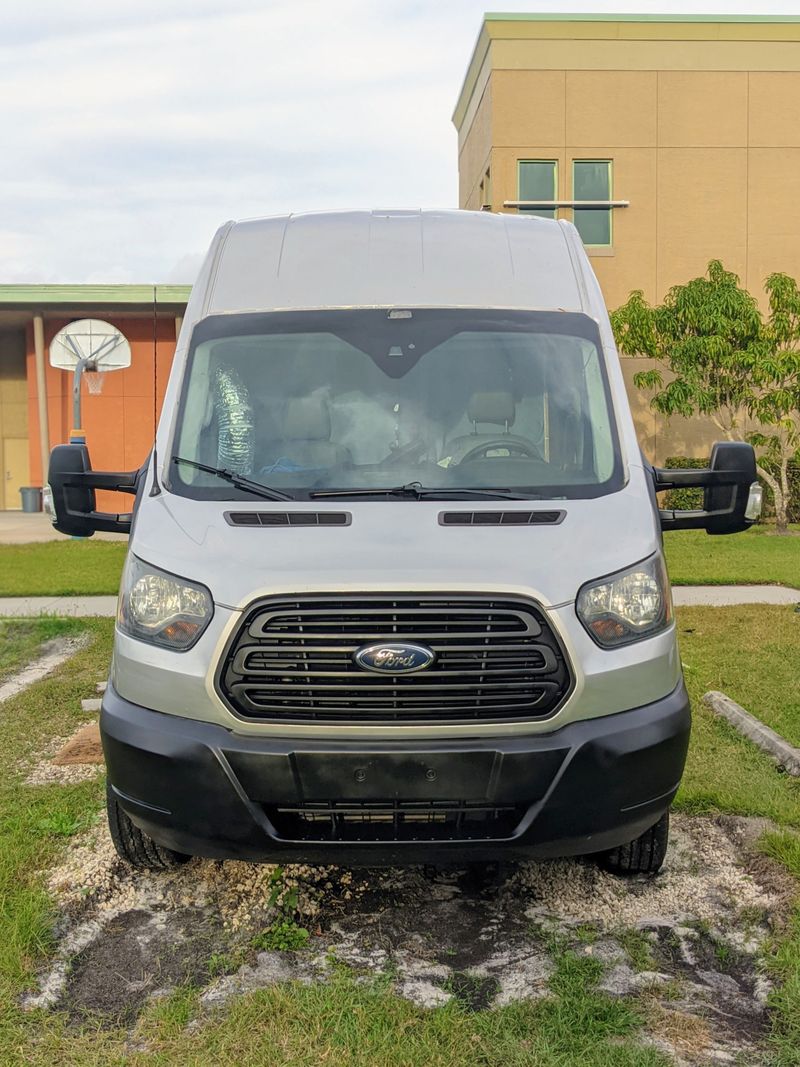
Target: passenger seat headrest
[307,418]
[497,408]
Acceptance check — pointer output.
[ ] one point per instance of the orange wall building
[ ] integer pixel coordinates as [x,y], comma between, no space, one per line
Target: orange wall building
[36,398]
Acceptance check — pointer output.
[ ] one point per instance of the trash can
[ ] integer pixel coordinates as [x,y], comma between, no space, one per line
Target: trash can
[31,498]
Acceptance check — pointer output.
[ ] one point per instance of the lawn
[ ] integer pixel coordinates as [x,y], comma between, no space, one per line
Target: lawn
[20,639]
[756,557]
[750,653]
[62,568]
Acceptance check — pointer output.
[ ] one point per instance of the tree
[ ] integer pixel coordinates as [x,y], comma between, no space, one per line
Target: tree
[715,355]
[776,400]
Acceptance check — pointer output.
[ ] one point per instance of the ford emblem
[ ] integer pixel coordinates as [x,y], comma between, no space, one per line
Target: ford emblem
[394,658]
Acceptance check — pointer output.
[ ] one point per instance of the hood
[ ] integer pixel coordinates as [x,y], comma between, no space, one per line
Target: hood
[397,545]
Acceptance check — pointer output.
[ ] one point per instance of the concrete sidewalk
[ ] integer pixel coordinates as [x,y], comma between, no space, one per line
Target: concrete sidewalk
[26,607]
[683,596]
[720,596]
[19,527]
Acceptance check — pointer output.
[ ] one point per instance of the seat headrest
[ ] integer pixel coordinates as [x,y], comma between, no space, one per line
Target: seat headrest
[307,418]
[497,408]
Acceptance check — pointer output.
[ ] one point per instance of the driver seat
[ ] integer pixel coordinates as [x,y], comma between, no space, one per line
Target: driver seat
[307,443]
[485,410]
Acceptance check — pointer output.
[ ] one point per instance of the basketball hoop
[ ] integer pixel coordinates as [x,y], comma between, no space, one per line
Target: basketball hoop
[88,348]
[94,381]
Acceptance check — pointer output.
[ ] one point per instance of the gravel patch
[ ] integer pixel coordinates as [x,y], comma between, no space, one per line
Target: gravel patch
[44,771]
[703,878]
[442,935]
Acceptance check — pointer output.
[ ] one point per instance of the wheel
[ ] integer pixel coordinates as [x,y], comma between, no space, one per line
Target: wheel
[133,845]
[644,855]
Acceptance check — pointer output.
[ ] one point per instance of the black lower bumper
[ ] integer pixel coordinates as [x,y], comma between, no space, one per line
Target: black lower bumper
[200,789]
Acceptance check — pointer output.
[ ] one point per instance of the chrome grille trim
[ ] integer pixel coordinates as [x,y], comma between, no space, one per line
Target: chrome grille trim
[292,661]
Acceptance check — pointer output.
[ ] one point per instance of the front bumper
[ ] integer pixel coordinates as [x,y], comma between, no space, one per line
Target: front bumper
[200,789]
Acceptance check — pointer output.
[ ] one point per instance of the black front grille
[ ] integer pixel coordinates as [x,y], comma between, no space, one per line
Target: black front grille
[395,821]
[496,660]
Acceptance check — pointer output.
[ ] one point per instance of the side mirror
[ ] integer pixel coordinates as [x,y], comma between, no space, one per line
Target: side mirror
[731,497]
[73,484]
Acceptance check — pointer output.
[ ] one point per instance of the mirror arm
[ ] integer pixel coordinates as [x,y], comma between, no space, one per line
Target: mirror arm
[114,481]
[688,520]
[689,478]
[108,522]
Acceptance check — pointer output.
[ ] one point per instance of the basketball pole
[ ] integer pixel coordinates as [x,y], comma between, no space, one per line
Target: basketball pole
[77,436]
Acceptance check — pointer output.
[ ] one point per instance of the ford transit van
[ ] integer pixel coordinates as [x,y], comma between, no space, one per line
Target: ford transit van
[395,589]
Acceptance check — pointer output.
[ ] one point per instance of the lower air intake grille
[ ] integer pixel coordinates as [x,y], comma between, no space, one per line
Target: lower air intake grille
[496,659]
[398,821]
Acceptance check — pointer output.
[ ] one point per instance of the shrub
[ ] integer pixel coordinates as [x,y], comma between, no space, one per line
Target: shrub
[684,499]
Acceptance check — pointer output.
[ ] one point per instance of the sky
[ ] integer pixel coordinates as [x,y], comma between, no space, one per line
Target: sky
[131,130]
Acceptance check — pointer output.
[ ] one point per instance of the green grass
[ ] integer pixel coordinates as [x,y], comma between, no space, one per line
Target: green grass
[20,639]
[751,654]
[358,1022]
[717,643]
[783,962]
[62,568]
[757,557]
[35,822]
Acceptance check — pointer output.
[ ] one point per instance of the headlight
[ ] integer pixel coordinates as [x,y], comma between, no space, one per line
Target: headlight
[628,606]
[161,608]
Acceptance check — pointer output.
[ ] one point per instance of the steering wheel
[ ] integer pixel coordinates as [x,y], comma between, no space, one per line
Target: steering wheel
[514,446]
[405,453]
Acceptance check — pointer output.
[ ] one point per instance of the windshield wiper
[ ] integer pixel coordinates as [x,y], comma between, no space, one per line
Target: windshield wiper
[417,491]
[238,480]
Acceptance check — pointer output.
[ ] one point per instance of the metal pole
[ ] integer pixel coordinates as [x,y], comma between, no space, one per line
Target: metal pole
[41,394]
[77,436]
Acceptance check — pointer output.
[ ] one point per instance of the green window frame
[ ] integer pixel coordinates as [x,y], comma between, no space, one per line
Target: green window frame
[537,179]
[592,180]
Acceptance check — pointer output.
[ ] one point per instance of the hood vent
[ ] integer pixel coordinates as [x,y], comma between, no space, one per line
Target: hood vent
[288,518]
[501,518]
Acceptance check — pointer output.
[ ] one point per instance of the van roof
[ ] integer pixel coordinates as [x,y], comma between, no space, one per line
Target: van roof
[393,257]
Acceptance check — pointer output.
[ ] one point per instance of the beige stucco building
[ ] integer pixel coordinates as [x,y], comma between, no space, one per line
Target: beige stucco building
[684,132]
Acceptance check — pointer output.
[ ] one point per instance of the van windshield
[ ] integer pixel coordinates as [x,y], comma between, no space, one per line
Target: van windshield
[455,399]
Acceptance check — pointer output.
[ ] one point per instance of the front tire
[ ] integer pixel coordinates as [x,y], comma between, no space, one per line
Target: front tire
[133,845]
[644,855]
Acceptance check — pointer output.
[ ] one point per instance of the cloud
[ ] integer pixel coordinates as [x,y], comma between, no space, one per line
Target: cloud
[132,130]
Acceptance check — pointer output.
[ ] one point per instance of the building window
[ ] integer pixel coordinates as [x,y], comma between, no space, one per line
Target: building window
[537,179]
[591,180]
[485,191]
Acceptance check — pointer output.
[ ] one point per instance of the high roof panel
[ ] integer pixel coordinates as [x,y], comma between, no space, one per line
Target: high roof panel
[381,258]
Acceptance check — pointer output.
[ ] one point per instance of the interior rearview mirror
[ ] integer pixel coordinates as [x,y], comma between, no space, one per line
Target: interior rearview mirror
[73,484]
[731,491]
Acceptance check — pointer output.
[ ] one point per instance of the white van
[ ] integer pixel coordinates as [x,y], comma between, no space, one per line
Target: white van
[395,590]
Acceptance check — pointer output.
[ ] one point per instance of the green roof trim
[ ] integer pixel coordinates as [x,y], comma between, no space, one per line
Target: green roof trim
[48,295]
[524,16]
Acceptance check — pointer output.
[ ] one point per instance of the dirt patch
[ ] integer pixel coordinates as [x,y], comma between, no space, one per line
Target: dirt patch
[687,940]
[139,953]
[83,747]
